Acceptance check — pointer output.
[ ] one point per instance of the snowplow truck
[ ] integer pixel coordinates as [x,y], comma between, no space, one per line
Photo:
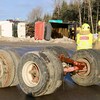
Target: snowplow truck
[41,71]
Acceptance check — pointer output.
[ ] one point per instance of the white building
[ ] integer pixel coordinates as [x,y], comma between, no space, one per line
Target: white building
[6,28]
[21,30]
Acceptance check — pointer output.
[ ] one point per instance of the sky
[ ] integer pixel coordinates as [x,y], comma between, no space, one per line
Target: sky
[20,9]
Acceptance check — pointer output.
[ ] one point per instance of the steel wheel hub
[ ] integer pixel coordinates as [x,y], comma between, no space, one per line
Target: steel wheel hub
[86,70]
[30,74]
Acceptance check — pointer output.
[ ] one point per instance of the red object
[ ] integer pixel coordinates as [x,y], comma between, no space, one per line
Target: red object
[39,30]
[70,69]
[76,65]
[84,38]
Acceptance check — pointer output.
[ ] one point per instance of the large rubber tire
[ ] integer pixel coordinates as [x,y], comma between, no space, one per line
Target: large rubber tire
[15,57]
[91,75]
[97,54]
[7,68]
[55,69]
[27,82]
[58,50]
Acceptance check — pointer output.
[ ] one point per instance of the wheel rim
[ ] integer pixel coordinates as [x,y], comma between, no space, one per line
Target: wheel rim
[86,70]
[31,74]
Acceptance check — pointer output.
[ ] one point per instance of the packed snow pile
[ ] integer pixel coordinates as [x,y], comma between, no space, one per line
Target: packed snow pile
[57,40]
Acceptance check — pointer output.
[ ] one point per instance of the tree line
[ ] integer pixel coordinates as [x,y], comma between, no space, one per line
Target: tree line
[79,11]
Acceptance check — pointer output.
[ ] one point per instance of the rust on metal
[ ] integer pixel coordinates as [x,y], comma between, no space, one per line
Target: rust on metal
[76,65]
[34,73]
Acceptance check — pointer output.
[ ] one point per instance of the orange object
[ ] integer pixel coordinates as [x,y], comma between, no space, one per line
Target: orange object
[76,65]
[39,30]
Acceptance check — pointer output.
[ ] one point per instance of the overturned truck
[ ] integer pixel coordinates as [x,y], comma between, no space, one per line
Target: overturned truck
[41,71]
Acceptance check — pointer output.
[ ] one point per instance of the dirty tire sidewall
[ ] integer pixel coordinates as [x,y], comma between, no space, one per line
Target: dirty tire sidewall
[58,50]
[91,78]
[8,69]
[15,58]
[97,57]
[36,90]
[55,71]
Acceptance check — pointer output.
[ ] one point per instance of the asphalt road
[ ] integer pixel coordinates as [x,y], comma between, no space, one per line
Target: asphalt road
[68,91]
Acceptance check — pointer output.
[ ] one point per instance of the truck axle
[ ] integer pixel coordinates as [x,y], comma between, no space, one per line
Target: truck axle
[75,65]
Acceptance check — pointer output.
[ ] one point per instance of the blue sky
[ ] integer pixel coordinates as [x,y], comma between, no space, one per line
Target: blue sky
[12,9]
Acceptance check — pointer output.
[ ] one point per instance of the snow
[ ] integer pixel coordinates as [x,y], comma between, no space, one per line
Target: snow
[58,40]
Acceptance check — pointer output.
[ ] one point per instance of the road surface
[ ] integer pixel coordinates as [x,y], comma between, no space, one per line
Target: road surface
[68,91]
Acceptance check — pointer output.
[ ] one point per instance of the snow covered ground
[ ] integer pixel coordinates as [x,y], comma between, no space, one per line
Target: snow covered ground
[65,42]
[57,40]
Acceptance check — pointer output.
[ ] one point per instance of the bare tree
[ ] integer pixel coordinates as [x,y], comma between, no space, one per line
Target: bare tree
[47,17]
[57,5]
[79,2]
[58,2]
[35,14]
[90,10]
[97,16]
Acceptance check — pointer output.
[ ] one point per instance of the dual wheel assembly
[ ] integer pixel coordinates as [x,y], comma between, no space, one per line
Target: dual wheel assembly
[41,73]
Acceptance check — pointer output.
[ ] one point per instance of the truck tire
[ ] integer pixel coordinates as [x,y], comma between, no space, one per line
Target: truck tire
[58,50]
[7,68]
[32,74]
[15,58]
[55,71]
[48,31]
[89,75]
[97,54]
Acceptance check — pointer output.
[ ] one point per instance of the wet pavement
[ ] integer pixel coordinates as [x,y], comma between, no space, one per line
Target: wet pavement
[68,91]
